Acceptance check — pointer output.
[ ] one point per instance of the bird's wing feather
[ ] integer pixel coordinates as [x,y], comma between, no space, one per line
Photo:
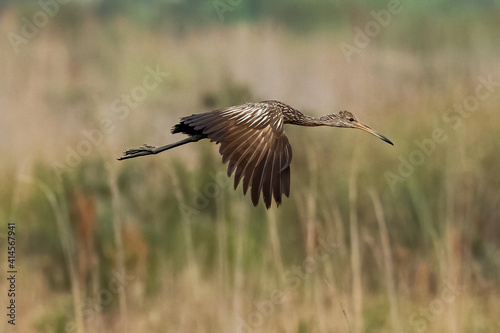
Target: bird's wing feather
[253,141]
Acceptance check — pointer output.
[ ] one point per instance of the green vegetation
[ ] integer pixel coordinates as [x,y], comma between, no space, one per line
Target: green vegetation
[373,238]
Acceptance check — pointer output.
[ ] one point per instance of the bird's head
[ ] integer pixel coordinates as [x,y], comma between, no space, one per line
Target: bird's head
[348,120]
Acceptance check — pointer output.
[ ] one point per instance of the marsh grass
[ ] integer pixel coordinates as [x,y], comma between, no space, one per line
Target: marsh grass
[211,270]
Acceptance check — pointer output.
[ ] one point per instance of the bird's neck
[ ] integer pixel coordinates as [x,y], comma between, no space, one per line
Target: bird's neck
[312,121]
[298,118]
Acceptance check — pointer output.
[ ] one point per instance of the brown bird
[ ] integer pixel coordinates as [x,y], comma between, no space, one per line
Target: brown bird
[252,139]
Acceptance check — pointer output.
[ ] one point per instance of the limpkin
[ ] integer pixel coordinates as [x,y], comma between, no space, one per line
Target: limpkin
[253,140]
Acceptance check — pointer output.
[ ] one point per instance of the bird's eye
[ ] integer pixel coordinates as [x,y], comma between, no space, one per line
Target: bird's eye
[351,119]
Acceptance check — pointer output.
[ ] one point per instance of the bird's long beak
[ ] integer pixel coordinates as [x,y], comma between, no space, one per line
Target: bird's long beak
[369,130]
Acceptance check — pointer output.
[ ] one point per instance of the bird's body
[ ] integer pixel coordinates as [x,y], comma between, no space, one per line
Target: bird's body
[252,139]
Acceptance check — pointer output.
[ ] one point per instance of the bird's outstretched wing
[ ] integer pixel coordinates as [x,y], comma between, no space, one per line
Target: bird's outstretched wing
[253,141]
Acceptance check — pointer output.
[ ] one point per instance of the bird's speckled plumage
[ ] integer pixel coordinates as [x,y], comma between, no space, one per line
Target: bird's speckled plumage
[253,141]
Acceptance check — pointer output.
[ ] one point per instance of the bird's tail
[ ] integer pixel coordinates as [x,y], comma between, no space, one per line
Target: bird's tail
[184,126]
[188,124]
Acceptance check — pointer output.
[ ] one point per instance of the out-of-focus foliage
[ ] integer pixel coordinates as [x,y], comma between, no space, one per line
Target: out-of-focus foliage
[295,14]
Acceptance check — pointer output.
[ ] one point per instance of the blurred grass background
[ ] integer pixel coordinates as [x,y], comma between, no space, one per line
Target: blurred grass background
[164,244]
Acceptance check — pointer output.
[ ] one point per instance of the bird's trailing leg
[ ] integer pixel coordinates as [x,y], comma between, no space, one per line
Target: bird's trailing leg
[151,150]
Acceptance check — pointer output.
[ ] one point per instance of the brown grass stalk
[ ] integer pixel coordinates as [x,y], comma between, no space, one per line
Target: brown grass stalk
[357,287]
[387,259]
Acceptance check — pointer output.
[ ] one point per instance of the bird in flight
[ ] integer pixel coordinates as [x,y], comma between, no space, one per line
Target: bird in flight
[253,140]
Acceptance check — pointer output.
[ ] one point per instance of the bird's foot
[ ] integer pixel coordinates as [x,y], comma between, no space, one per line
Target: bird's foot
[136,152]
